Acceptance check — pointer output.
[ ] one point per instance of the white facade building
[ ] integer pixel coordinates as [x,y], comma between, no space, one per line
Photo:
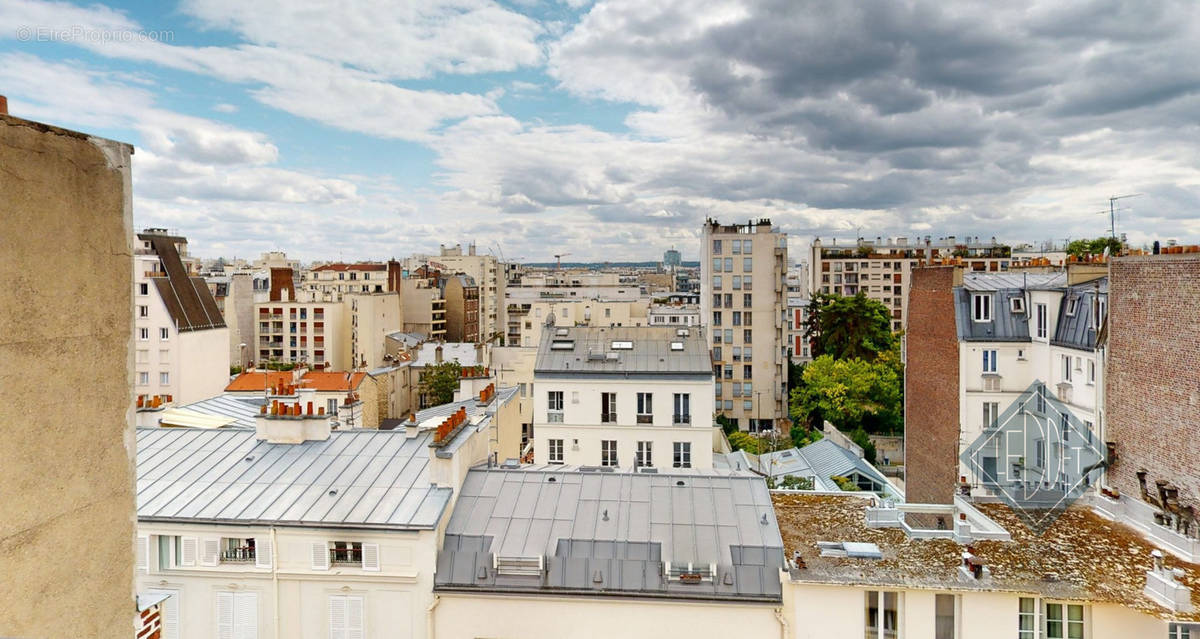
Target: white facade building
[627,397]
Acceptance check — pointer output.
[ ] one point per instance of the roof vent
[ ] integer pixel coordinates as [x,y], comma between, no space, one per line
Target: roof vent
[648,471]
[853,549]
[511,463]
[680,483]
[619,345]
[552,479]
[681,332]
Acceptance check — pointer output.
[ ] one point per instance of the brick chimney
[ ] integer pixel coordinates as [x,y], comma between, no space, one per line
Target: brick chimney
[394,275]
[281,283]
[3,105]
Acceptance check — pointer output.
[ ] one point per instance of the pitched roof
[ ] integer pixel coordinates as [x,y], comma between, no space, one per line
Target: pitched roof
[331,380]
[253,381]
[239,410]
[358,478]
[624,351]
[1079,329]
[605,533]
[188,300]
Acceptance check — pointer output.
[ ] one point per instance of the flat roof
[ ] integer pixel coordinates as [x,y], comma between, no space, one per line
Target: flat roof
[624,350]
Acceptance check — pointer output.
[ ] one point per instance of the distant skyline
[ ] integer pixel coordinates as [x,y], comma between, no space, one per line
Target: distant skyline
[611,129]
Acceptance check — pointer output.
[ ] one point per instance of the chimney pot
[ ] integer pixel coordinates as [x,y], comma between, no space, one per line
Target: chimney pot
[3,105]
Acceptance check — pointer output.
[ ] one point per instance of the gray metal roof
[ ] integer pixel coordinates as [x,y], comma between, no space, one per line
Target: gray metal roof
[462,352]
[610,533]
[588,350]
[361,479]
[995,281]
[827,459]
[1079,330]
[243,409]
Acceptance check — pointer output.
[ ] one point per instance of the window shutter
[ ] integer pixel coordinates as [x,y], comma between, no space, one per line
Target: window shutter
[187,551]
[210,551]
[246,615]
[170,613]
[370,556]
[337,617]
[320,556]
[225,615]
[354,618]
[143,552]
[262,552]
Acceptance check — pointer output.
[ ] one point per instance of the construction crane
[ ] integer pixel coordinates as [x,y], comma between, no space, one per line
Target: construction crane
[559,257]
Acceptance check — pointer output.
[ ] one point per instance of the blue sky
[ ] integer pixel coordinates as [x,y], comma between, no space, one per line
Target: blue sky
[611,129]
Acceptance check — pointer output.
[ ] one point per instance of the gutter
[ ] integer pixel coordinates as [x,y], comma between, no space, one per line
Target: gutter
[430,633]
[275,579]
[783,624]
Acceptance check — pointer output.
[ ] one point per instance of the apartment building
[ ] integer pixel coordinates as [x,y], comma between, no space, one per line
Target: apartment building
[565,285]
[247,546]
[667,314]
[623,397]
[67,205]
[181,339]
[489,276]
[424,307]
[372,316]
[236,293]
[799,348]
[462,307]
[329,282]
[528,320]
[881,269]
[744,267]
[301,332]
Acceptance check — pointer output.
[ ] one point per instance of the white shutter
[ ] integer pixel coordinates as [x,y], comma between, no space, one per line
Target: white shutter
[225,615]
[262,552]
[370,556]
[245,615]
[170,613]
[337,617]
[187,551]
[354,618]
[143,552]
[320,556]
[210,551]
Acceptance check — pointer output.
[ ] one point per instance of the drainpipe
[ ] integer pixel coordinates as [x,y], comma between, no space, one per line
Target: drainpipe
[429,631]
[783,625]
[275,579]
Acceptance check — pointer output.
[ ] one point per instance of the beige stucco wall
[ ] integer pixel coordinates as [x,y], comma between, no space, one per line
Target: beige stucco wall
[66,511]
[513,617]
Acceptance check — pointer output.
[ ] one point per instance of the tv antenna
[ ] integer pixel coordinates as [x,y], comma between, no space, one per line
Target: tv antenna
[1112,212]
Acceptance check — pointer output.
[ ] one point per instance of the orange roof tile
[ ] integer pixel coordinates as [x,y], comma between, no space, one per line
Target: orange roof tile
[251,381]
[331,380]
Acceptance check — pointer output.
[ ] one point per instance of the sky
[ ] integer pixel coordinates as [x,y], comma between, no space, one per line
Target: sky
[612,129]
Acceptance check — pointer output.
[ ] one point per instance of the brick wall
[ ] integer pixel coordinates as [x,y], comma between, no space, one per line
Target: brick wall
[1152,382]
[931,388]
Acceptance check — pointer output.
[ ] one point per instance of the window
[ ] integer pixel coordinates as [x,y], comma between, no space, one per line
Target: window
[717,247]
[982,305]
[331,407]
[737,282]
[237,614]
[1183,630]
[729,336]
[554,406]
[645,408]
[737,318]
[143,289]
[746,282]
[1066,368]
[143,356]
[143,310]
[736,247]
[1072,306]
[728,371]
[1017,304]
[747,264]
[882,615]
[748,405]
[716,281]
[237,550]
[729,265]
[1027,618]
[1064,621]
[747,299]
[989,360]
[164,333]
[645,455]
[747,371]
[164,378]
[716,265]
[143,379]
[716,318]
[1091,371]
[345,552]
[345,617]
[991,412]
[608,452]
[608,408]
[746,335]
[555,455]
[143,334]
[683,455]
[1041,321]
[683,409]
[944,626]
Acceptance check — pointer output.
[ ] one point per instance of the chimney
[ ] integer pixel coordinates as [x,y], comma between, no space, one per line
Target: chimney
[437,354]
[288,424]
[281,284]
[410,426]
[3,105]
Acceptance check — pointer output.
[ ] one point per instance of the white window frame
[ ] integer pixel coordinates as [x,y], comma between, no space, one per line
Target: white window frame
[1032,632]
[1091,366]
[164,378]
[981,307]
[1065,619]
[1042,322]
[608,452]
[143,334]
[236,615]
[681,455]
[645,455]
[344,611]
[956,618]
[882,630]
[991,414]
[554,451]
[164,334]
[989,360]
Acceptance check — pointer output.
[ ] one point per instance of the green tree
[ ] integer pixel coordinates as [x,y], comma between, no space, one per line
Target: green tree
[802,436]
[727,424]
[1082,248]
[849,327]
[439,382]
[860,437]
[850,393]
[743,441]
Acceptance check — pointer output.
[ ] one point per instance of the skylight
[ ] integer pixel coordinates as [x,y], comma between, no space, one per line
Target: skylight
[622,345]
[562,345]
[676,346]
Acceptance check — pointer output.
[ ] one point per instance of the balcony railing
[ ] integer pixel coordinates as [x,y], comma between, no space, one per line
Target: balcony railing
[645,419]
[345,555]
[608,418]
[554,417]
[240,554]
[678,419]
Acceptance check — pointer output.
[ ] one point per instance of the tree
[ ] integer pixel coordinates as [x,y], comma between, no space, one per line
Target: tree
[802,436]
[439,382]
[849,327]
[743,441]
[850,394]
[1083,248]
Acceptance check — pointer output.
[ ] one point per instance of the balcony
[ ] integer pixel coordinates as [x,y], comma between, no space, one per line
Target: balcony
[608,418]
[240,554]
[554,417]
[681,420]
[351,555]
[645,419]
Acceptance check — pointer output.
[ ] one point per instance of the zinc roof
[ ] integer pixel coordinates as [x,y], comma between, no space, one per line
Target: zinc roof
[1079,329]
[589,350]
[357,479]
[610,532]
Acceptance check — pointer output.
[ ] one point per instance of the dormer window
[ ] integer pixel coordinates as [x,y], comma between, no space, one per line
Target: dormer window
[1017,304]
[981,303]
[1072,306]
